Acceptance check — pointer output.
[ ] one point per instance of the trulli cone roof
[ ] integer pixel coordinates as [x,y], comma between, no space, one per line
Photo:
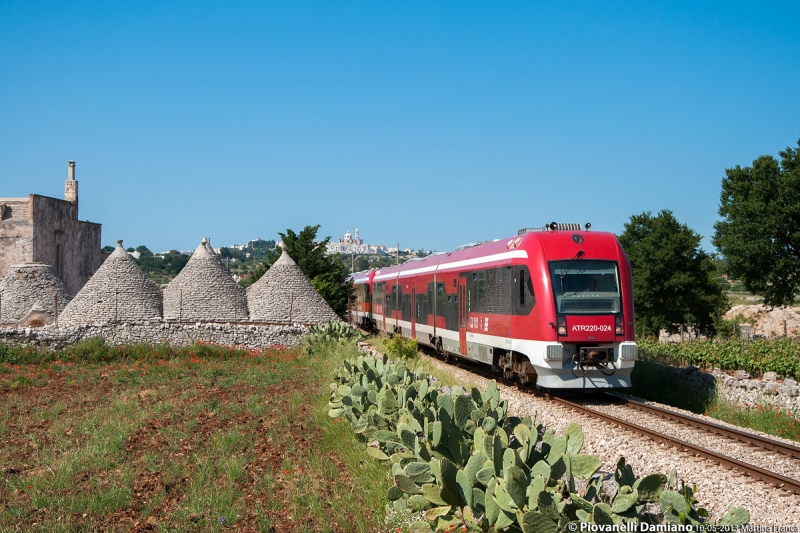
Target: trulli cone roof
[204,291]
[119,290]
[284,294]
[30,285]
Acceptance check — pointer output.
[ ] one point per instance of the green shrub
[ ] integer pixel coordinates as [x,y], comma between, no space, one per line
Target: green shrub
[402,348]
[23,355]
[458,457]
[781,355]
[92,350]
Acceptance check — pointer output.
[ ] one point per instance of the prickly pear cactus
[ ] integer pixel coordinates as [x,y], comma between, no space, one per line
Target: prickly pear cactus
[333,331]
[457,456]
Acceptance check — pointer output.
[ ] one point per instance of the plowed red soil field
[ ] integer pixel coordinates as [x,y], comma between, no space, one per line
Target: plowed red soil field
[187,444]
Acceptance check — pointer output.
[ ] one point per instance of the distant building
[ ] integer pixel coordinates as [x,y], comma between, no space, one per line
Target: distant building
[354,245]
[47,230]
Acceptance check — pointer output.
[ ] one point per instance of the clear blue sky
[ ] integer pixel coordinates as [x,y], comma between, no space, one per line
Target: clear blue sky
[432,124]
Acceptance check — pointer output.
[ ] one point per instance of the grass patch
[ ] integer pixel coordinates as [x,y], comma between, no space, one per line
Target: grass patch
[202,438]
[764,418]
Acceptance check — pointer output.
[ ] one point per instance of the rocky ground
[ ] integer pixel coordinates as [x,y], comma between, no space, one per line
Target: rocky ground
[768,321]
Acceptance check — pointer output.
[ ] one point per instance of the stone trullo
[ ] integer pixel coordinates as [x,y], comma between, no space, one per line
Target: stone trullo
[118,292]
[205,291]
[28,293]
[284,294]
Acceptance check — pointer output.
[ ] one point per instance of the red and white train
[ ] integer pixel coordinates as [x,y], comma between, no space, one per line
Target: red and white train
[552,307]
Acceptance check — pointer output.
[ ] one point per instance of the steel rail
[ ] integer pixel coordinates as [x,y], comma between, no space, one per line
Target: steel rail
[772,478]
[711,427]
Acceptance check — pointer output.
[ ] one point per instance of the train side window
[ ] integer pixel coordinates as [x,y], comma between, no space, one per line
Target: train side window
[455,281]
[524,299]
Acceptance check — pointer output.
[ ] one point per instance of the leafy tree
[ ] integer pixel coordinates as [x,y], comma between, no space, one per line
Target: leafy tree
[674,281]
[161,266]
[362,263]
[328,274]
[225,253]
[760,231]
[107,249]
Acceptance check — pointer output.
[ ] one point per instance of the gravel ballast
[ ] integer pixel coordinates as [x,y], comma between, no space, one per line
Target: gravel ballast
[718,489]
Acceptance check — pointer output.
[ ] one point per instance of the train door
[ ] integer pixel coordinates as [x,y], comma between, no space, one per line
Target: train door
[413,310]
[462,315]
[386,296]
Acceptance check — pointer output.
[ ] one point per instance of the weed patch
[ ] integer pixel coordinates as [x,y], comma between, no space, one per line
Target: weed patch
[201,438]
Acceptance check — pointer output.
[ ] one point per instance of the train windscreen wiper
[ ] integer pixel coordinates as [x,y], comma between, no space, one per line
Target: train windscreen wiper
[565,271]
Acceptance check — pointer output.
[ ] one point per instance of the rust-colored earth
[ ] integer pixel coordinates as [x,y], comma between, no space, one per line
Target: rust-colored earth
[171,442]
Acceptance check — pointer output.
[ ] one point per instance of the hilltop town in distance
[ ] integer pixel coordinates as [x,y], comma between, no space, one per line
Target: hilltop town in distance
[243,259]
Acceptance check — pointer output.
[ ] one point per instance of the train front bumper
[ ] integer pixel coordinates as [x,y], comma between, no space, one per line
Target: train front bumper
[556,369]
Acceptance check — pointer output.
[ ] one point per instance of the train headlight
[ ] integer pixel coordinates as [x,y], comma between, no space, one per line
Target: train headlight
[619,328]
[561,325]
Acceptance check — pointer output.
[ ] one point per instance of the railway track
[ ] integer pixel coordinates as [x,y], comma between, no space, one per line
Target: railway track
[717,429]
[772,478]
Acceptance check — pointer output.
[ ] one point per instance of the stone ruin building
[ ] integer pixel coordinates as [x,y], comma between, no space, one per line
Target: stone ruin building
[205,291]
[284,294]
[28,295]
[118,292]
[40,229]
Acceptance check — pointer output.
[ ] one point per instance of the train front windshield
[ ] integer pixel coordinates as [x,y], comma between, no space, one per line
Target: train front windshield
[586,287]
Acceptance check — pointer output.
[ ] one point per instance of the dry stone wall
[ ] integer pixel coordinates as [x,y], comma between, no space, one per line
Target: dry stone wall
[740,388]
[241,335]
[204,290]
[30,286]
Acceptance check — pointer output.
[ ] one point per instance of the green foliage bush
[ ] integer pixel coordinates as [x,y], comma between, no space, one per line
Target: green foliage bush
[401,348]
[780,355]
[459,458]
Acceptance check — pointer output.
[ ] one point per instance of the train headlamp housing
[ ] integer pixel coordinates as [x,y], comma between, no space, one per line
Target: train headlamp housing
[619,328]
[561,325]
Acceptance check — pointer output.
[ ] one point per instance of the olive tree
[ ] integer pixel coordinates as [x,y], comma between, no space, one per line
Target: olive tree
[674,281]
[759,234]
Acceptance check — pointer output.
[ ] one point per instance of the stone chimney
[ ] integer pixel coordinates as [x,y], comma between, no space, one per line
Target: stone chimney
[71,186]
